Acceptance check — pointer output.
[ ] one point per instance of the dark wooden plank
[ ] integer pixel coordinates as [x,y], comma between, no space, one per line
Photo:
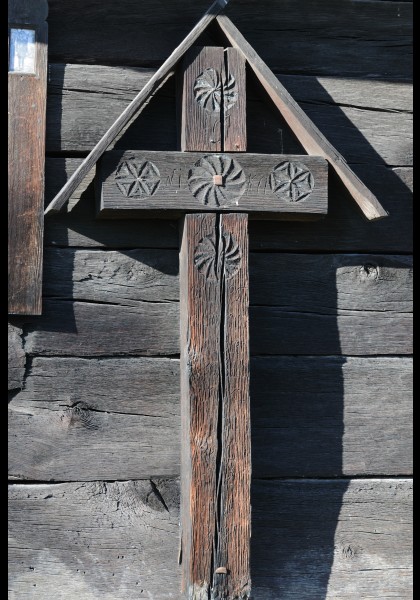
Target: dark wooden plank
[311,539]
[298,37]
[342,230]
[331,416]
[27,12]
[125,278]
[215,464]
[16,357]
[27,93]
[203,71]
[200,381]
[97,329]
[314,416]
[123,120]
[318,283]
[306,131]
[358,116]
[164,184]
[234,93]
[95,540]
[278,330]
[332,539]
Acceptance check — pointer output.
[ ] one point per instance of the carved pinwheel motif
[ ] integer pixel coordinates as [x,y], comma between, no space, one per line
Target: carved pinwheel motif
[208,91]
[291,181]
[136,179]
[217,180]
[211,256]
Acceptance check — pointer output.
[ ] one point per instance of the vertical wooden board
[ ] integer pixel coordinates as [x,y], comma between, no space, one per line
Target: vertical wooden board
[234,477]
[26,155]
[202,99]
[234,102]
[200,362]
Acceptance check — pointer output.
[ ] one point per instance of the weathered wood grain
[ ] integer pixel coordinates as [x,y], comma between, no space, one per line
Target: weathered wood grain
[314,416]
[139,101]
[117,541]
[16,357]
[296,37]
[358,116]
[332,539]
[235,98]
[319,283]
[94,329]
[164,184]
[27,96]
[203,73]
[341,230]
[215,420]
[94,540]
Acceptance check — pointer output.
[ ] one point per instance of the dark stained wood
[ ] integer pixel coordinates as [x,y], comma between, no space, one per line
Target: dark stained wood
[215,454]
[311,539]
[164,184]
[296,37]
[26,152]
[306,131]
[313,416]
[342,230]
[16,358]
[234,93]
[159,78]
[203,71]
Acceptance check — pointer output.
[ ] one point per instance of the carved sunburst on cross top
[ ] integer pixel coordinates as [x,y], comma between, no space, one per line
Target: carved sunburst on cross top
[136,179]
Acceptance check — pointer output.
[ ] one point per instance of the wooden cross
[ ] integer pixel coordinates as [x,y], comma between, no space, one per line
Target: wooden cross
[219,187]
[215,186]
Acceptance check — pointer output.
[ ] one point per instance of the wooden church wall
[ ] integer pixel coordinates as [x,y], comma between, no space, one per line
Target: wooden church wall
[94,431]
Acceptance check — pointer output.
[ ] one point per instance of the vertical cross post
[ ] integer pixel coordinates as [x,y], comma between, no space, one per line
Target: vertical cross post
[215,412]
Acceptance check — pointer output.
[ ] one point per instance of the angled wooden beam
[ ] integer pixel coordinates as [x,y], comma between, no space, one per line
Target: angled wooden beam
[158,79]
[306,131]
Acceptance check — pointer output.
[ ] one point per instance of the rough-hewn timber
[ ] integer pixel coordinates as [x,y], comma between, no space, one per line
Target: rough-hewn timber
[119,541]
[314,416]
[16,358]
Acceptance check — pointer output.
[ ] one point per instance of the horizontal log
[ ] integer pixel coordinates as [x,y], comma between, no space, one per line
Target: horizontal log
[94,540]
[359,117]
[168,183]
[378,45]
[319,283]
[313,416]
[16,357]
[342,230]
[310,539]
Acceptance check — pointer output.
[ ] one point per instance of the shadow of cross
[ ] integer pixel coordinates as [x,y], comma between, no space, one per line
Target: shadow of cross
[214,190]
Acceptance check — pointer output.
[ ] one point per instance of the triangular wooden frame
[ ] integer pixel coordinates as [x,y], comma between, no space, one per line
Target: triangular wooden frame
[305,130]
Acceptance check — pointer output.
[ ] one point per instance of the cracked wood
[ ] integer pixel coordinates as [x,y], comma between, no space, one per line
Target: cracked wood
[215,419]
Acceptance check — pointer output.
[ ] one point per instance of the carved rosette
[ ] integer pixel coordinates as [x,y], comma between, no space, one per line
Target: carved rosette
[136,179]
[291,181]
[208,91]
[211,256]
[205,177]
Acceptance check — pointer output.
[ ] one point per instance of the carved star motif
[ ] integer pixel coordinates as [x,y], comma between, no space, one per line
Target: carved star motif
[291,181]
[137,179]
